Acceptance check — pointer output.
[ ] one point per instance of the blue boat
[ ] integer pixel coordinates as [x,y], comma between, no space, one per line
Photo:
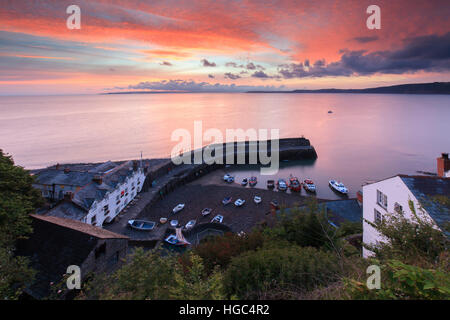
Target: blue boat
[141,225]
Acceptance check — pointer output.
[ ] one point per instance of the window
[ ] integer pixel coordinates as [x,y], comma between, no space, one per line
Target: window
[94,220]
[398,208]
[382,199]
[378,217]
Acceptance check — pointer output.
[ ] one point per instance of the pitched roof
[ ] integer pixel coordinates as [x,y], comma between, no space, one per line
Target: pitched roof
[340,211]
[86,228]
[55,244]
[425,188]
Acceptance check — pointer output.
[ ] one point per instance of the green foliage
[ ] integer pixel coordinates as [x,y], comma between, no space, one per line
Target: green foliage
[151,276]
[349,228]
[415,241]
[306,227]
[402,281]
[17,200]
[218,251]
[256,273]
[192,284]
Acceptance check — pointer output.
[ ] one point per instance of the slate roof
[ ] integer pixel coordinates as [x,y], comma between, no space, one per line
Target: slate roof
[55,244]
[425,188]
[340,211]
[68,210]
[58,176]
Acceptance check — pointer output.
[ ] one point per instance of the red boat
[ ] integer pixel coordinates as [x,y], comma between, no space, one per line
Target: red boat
[294,184]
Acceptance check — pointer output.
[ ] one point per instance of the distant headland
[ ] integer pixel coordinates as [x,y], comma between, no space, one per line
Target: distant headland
[413,88]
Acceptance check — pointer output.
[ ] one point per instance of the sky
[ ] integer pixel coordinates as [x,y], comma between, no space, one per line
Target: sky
[226,46]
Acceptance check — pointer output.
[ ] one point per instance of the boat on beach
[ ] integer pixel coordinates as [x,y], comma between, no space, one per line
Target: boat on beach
[178,208]
[253,181]
[270,184]
[294,184]
[309,185]
[282,185]
[206,211]
[244,182]
[217,219]
[141,225]
[338,186]
[257,199]
[226,200]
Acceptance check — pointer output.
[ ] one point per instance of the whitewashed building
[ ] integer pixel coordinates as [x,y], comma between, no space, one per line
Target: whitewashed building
[395,193]
[110,190]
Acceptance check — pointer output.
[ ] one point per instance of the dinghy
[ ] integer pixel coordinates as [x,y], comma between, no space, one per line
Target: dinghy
[178,208]
[282,185]
[253,181]
[217,219]
[226,200]
[239,203]
[257,199]
[141,225]
[270,184]
[206,211]
[244,182]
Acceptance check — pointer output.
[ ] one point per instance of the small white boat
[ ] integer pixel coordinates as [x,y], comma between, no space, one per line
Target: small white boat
[174,223]
[217,219]
[257,199]
[239,203]
[230,180]
[338,186]
[141,225]
[226,177]
[178,208]
[226,200]
[173,239]
[190,224]
[163,220]
[206,211]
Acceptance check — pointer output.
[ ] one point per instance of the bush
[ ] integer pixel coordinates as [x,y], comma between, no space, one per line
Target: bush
[253,274]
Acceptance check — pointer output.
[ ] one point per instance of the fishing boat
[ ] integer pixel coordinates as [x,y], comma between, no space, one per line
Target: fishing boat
[141,225]
[206,211]
[257,199]
[190,224]
[338,186]
[282,185]
[309,185]
[270,184]
[244,182]
[217,219]
[226,200]
[253,181]
[178,208]
[294,184]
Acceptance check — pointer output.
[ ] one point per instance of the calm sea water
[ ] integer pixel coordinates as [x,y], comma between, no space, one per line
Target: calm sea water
[366,137]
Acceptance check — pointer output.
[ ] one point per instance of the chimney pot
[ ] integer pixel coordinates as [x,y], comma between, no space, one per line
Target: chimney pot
[98,179]
[445,155]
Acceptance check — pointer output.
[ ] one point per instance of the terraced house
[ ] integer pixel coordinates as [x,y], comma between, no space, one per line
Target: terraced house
[93,194]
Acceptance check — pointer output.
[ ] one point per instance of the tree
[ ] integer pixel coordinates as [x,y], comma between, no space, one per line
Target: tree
[18,199]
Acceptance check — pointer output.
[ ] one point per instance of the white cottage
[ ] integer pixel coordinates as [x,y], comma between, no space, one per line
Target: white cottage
[395,193]
[101,200]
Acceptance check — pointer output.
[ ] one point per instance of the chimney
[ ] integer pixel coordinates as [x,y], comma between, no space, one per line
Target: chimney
[443,165]
[68,196]
[135,165]
[58,166]
[97,179]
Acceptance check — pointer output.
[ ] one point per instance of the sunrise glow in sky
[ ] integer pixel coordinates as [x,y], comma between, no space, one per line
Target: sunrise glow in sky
[228,45]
